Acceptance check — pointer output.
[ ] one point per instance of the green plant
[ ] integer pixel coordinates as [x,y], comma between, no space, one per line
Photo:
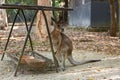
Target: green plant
[11,12]
[56,3]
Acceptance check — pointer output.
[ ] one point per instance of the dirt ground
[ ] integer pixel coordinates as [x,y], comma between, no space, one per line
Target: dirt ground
[87,46]
[107,69]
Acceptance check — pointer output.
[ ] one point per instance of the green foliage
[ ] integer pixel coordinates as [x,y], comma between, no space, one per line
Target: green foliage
[56,3]
[25,2]
[11,13]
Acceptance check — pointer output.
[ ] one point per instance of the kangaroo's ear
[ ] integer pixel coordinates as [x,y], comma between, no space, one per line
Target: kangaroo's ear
[60,19]
[53,19]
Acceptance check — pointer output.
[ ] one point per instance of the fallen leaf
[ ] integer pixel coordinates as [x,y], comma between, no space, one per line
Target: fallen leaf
[91,78]
[8,69]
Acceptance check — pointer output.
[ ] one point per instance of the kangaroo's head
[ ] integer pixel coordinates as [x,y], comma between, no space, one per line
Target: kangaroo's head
[57,25]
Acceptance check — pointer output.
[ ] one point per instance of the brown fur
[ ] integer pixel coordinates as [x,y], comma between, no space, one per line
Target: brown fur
[63,47]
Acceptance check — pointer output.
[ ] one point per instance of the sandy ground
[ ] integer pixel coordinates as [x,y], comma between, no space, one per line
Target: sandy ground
[107,69]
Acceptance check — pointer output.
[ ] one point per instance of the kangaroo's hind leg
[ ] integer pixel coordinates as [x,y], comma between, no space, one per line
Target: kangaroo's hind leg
[61,61]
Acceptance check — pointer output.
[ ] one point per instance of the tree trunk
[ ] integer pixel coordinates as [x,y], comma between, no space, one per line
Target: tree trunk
[119,17]
[63,16]
[3,17]
[113,28]
[41,26]
[66,12]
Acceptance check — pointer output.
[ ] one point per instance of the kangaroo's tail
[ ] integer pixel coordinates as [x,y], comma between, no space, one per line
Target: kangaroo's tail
[73,62]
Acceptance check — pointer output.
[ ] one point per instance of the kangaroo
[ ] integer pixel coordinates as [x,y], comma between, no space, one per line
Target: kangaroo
[63,47]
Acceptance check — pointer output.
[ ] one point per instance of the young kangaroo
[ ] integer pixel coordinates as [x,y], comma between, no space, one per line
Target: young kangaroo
[63,47]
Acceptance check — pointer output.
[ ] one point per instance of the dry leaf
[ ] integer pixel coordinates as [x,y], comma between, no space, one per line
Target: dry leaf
[8,69]
[91,78]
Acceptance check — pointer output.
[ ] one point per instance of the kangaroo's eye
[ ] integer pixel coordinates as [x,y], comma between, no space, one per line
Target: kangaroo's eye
[58,25]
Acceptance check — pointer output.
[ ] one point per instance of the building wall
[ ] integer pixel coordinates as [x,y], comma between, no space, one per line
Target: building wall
[100,14]
[80,16]
[90,13]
